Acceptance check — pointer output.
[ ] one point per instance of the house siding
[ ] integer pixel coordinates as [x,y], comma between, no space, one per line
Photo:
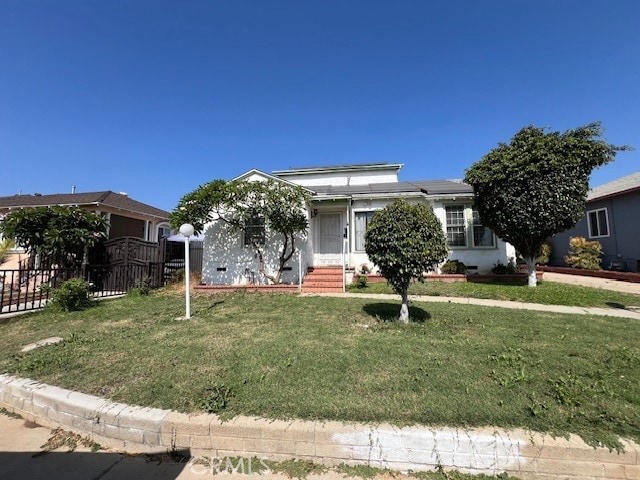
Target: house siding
[226,261]
[120,226]
[623,242]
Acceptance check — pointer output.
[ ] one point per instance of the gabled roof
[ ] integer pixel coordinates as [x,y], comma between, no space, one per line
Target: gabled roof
[427,187]
[622,185]
[266,176]
[106,198]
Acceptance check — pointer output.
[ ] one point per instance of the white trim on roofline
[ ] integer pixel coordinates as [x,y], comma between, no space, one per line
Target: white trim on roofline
[255,171]
[374,196]
[337,169]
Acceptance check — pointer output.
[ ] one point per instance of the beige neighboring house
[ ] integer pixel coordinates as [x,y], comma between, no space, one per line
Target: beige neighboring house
[127,217]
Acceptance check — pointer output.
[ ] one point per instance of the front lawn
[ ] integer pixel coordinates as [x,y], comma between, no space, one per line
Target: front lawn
[546,292]
[343,359]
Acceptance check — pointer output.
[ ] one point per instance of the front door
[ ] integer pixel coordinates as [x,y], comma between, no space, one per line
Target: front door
[329,228]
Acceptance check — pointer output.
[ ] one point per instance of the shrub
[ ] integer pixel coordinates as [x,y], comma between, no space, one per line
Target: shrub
[545,253]
[501,269]
[177,276]
[74,294]
[364,269]
[453,266]
[584,254]
[142,287]
[5,246]
[361,281]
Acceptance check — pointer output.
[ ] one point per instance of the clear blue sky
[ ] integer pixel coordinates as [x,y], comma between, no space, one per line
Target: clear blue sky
[156,97]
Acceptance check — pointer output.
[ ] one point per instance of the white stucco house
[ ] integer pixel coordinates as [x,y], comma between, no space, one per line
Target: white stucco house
[343,201]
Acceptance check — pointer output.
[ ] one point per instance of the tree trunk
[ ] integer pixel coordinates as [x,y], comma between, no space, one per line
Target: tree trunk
[404,310]
[531,271]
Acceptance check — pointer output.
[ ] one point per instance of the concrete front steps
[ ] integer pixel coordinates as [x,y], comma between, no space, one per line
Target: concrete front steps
[322,280]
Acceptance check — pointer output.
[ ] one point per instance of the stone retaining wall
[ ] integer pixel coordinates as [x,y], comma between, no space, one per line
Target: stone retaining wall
[526,455]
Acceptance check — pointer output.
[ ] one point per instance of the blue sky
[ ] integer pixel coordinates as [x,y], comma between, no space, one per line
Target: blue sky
[156,97]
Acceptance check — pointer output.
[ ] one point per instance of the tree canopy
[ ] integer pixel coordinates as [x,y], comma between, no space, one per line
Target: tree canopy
[63,234]
[405,240]
[239,203]
[536,185]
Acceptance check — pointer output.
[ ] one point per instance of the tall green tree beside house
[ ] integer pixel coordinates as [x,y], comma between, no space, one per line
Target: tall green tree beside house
[536,185]
[62,234]
[252,208]
[405,240]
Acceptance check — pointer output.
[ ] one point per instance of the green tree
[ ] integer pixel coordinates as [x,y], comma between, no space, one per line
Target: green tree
[62,234]
[405,241]
[536,186]
[246,206]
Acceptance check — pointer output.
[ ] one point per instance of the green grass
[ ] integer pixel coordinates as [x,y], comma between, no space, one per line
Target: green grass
[546,292]
[343,359]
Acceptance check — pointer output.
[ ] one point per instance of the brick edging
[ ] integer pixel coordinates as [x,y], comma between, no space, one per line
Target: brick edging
[481,450]
[608,274]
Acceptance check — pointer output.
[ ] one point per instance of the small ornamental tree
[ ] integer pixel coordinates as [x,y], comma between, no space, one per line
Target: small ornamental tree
[404,241]
[536,186]
[246,207]
[62,234]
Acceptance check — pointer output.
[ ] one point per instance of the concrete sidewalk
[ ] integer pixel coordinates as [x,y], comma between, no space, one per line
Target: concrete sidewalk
[630,312]
[594,282]
[22,456]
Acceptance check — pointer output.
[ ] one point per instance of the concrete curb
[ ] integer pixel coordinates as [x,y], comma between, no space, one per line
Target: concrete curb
[481,450]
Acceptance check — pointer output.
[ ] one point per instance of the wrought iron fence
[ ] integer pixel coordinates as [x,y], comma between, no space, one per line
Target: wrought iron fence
[30,288]
[174,257]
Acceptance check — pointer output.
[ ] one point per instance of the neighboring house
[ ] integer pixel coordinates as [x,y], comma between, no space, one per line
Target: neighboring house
[126,216]
[343,201]
[612,218]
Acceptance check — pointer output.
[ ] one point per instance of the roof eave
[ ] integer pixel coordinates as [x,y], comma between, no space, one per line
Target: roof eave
[614,194]
[346,168]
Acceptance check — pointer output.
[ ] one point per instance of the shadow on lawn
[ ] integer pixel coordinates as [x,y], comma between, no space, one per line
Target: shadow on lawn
[616,305]
[390,312]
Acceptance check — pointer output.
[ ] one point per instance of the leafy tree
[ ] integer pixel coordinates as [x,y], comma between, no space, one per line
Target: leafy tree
[536,185]
[239,204]
[404,241]
[62,234]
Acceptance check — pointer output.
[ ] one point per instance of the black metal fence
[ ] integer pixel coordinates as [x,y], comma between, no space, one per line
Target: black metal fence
[30,289]
[121,265]
[174,257]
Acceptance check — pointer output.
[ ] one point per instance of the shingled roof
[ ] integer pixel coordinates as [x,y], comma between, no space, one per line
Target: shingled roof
[428,187]
[106,198]
[628,183]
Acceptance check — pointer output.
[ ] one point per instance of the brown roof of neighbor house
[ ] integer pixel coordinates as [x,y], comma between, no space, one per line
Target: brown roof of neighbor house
[619,186]
[106,198]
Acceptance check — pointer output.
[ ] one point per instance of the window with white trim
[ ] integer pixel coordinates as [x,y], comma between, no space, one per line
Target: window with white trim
[598,221]
[164,232]
[362,222]
[255,231]
[456,226]
[482,236]
[465,228]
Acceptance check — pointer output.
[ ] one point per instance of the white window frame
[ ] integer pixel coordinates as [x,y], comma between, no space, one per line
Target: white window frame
[494,243]
[355,227]
[469,234]
[596,211]
[464,225]
[248,244]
